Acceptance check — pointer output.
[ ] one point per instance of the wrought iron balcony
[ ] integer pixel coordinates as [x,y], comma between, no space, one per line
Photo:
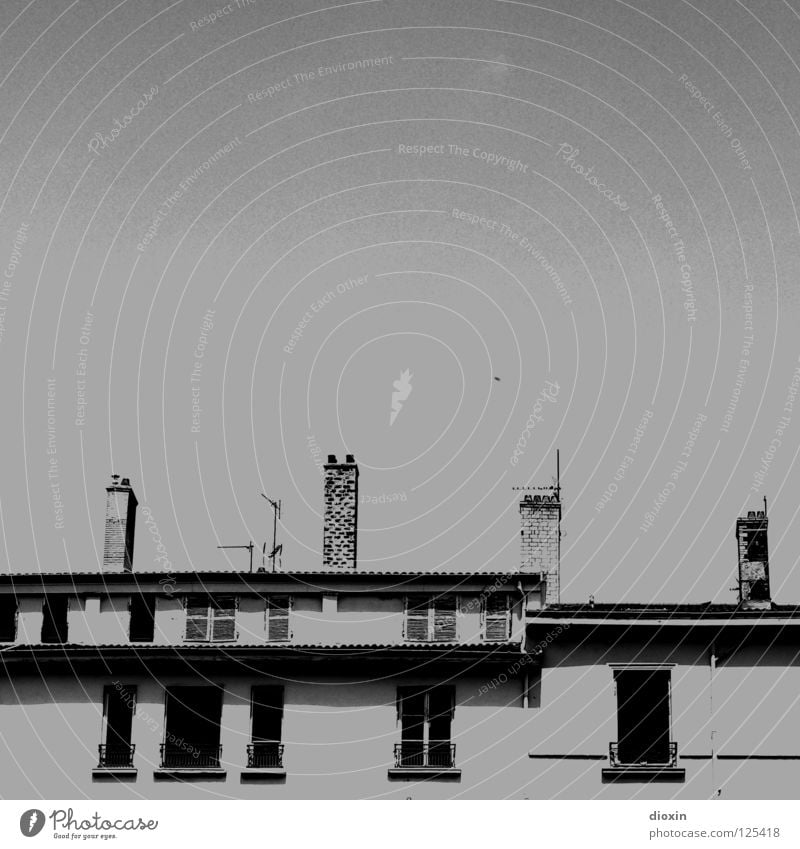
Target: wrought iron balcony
[265,755]
[190,756]
[116,756]
[421,755]
[663,757]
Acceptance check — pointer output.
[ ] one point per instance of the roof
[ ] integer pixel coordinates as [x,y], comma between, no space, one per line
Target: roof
[31,659]
[706,612]
[313,580]
[229,573]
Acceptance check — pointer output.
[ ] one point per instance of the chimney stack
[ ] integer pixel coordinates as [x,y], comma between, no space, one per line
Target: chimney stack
[541,541]
[751,539]
[340,533]
[121,506]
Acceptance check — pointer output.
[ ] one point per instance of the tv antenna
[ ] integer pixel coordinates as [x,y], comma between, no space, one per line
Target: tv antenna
[554,487]
[277,550]
[249,547]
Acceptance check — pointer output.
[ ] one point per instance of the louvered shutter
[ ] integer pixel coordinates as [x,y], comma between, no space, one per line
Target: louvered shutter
[223,620]
[417,617]
[277,619]
[197,618]
[444,619]
[497,618]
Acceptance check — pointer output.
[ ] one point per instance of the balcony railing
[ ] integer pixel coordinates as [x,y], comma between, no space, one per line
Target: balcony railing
[116,755]
[417,755]
[665,757]
[190,756]
[264,755]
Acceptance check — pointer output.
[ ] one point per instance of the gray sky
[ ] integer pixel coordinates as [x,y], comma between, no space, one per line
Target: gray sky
[247,194]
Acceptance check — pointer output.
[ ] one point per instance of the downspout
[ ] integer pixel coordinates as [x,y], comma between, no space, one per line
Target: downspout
[524,616]
[712,662]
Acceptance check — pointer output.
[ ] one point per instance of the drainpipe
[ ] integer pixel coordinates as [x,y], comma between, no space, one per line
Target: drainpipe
[525,687]
[712,662]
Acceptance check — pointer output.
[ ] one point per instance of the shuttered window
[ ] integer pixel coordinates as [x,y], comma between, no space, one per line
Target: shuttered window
[496,617]
[210,619]
[431,619]
[417,618]
[278,618]
[444,618]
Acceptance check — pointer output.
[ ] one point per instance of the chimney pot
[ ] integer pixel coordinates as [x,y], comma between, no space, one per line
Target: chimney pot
[120,526]
[541,541]
[340,527]
[753,550]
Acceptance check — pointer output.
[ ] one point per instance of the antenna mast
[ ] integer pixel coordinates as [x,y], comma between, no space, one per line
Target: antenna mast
[274,555]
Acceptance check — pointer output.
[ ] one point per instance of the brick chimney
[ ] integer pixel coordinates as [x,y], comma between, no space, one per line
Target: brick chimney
[340,533]
[121,506]
[751,539]
[541,541]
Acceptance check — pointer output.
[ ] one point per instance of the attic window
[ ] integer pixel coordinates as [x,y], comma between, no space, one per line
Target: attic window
[54,623]
[8,619]
[496,617]
[431,618]
[210,619]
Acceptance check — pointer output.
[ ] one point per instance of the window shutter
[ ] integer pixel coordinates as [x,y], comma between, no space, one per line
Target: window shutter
[224,620]
[444,620]
[277,619]
[196,618]
[417,618]
[497,617]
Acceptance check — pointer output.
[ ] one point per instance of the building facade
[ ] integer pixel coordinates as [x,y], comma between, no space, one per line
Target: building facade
[344,683]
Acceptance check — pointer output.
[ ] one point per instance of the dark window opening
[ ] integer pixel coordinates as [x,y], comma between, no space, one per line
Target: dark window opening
[142,625]
[193,716]
[210,619]
[8,619]
[278,618]
[426,718]
[119,706]
[266,749]
[643,716]
[54,625]
[431,619]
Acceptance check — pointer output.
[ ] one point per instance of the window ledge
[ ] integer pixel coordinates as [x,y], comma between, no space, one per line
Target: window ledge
[644,773]
[190,773]
[120,773]
[263,773]
[425,773]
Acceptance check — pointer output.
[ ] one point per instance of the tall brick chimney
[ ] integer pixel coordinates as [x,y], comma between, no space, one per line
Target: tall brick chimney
[339,541]
[751,539]
[121,506]
[541,541]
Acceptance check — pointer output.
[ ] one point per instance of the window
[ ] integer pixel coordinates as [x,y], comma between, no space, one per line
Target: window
[431,619]
[266,750]
[496,617]
[8,619]
[54,624]
[426,717]
[643,716]
[193,716]
[210,619]
[142,624]
[119,707]
[278,608]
